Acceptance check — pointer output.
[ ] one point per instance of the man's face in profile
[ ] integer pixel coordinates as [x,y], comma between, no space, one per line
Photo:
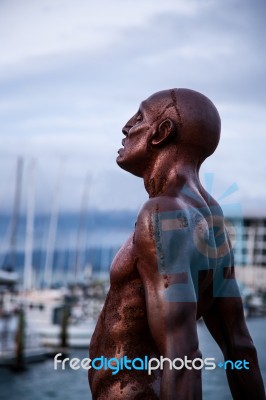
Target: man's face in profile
[134,155]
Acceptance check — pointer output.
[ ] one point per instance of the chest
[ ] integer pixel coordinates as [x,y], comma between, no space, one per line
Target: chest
[124,265]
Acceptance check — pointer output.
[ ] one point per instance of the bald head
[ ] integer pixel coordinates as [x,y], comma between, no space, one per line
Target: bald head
[178,124]
[195,118]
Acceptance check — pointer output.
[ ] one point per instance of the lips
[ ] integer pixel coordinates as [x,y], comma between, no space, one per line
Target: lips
[122,148]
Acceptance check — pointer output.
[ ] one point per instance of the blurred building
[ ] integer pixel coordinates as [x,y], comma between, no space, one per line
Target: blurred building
[249,242]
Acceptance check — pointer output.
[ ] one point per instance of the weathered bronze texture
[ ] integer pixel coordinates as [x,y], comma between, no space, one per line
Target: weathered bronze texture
[178,264]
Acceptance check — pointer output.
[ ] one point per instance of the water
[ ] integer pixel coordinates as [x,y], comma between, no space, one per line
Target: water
[40,381]
[95,241]
[214,382]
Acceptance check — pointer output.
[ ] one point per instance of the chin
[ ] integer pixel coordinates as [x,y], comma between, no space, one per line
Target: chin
[129,166]
[121,162]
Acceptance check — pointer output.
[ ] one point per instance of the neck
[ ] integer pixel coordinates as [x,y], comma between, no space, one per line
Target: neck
[160,180]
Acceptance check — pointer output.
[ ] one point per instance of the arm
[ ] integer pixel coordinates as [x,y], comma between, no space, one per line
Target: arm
[172,323]
[225,321]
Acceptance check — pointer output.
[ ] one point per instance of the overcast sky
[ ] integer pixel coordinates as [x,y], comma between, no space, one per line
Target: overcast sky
[73,72]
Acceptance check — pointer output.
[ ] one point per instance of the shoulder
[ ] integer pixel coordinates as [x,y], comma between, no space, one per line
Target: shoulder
[151,212]
[160,204]
[157,205]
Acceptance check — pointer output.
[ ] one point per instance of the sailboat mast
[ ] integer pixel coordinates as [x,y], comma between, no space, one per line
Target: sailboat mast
[15,214]
[29,227]
[52,232]
[81,237]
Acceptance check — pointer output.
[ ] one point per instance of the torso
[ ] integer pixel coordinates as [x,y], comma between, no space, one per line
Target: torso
[122,330]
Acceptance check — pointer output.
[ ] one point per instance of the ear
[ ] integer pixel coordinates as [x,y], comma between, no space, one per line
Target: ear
[163,133]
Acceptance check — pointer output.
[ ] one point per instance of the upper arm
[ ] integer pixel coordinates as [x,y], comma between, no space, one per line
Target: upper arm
[165,273]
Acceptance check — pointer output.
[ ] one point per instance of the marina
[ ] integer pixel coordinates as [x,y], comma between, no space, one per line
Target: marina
[54,277]
[41,381]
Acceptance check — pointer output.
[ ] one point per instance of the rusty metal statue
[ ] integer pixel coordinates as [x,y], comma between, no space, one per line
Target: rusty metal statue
[176,267]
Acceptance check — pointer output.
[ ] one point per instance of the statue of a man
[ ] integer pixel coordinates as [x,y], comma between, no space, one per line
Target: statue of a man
[176,267]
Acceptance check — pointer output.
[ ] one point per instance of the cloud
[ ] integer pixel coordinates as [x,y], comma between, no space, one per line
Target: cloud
[72,73]
[44,28]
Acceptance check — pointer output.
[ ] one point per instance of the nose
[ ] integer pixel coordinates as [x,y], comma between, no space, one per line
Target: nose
[126,129]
